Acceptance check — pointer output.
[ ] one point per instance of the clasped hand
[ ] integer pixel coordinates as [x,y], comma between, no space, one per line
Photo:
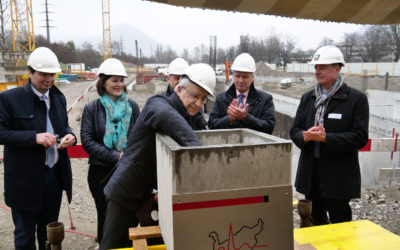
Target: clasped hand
[237,113]
[316,133]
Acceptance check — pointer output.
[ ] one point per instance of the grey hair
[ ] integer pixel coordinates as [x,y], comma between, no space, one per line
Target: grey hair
[183,82]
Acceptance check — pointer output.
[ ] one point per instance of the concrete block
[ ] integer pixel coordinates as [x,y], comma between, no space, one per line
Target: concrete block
[237,181]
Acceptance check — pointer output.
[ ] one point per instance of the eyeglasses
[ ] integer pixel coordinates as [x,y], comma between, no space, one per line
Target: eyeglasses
[195,95]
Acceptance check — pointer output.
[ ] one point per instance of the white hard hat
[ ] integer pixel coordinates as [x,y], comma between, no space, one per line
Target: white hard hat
[177,66]
[203,75]
[245,63]
[112,67]
[42,59]
[328,55]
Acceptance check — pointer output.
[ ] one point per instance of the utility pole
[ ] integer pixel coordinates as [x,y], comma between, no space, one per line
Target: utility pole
[137,57]
[121,44]
[213,51]
[47,21]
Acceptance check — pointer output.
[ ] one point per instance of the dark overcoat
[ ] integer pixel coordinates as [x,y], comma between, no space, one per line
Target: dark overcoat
[22,116]
[346,126]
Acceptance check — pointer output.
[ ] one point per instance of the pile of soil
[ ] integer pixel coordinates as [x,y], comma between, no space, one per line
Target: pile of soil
[263,69]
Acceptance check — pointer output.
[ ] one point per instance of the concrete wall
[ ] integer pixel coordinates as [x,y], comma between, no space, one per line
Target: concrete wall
[384,116]
[380,68]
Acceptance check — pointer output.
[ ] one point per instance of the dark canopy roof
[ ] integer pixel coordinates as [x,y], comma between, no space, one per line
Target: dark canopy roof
[348,11]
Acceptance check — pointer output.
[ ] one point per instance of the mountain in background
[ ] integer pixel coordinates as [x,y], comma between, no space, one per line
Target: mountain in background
[128,34]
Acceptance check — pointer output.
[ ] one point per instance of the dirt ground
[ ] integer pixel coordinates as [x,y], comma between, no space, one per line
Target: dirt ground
[380,205]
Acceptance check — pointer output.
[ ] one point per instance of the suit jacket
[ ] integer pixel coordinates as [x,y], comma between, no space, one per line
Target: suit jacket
[22,116]
[260,117]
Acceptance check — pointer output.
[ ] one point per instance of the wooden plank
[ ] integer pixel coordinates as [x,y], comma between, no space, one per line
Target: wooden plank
[144,232]
[140,244]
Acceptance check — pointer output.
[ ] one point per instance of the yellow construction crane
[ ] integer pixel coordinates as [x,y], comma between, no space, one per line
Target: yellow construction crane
[13,64]
[106,29]
[23,35]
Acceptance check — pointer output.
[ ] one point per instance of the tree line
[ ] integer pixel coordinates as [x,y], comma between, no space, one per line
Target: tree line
[369,44]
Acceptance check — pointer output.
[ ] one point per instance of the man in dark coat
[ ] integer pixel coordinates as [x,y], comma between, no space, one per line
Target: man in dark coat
[331,125]
[136,172]
[242,105]
[36,170]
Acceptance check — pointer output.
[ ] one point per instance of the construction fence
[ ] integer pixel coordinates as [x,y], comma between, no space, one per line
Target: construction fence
[378,68]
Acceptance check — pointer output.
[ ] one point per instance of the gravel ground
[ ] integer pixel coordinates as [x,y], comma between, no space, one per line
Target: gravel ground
[380,204]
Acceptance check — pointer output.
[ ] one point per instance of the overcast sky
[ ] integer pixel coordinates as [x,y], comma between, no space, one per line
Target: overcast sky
[177,26]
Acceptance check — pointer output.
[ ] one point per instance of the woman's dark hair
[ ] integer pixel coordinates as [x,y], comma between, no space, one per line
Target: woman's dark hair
[101,82]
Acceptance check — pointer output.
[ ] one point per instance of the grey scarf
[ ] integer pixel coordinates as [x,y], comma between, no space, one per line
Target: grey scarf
[323,98]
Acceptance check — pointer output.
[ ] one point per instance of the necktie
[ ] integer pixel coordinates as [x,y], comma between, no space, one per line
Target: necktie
[51,151]
[240,102]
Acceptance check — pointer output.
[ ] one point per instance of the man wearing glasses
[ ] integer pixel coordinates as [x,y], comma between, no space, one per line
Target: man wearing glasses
[176,69]
[136,172]
[242,105]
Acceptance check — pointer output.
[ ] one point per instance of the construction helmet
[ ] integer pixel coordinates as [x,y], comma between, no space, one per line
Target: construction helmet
[203,75]
[112,67]
[177,66]
[42,59]
[328,55]
[244,63]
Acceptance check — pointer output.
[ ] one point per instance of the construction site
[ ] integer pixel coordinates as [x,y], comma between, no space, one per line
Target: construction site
[376,215]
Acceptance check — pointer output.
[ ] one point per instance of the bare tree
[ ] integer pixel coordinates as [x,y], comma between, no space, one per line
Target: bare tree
[325,42]
[272,46]
[349,45]
[88,55]
[244,44]
[375,44]
[4,5]
[185,54]
[164,56]
[395,33]
[221,55]
[116,48]
[287,47]
[200,54]
[231,53]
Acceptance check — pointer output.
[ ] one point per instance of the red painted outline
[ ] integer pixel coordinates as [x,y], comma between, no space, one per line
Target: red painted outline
[232,240]
[217,203]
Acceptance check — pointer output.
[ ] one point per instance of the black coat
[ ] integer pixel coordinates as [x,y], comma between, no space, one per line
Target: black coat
[136,172]
[92,133]
[261,113]
[22,116]
[197,122]
[338,171]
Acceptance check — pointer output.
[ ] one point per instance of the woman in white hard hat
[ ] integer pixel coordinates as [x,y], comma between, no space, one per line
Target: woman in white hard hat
[106,125]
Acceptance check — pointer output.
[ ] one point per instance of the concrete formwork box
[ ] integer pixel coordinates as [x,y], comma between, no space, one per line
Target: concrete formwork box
[234,192]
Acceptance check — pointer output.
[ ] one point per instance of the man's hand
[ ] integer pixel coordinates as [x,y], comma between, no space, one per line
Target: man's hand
[237,112]
[46,139]
[69,140]
[316,133]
